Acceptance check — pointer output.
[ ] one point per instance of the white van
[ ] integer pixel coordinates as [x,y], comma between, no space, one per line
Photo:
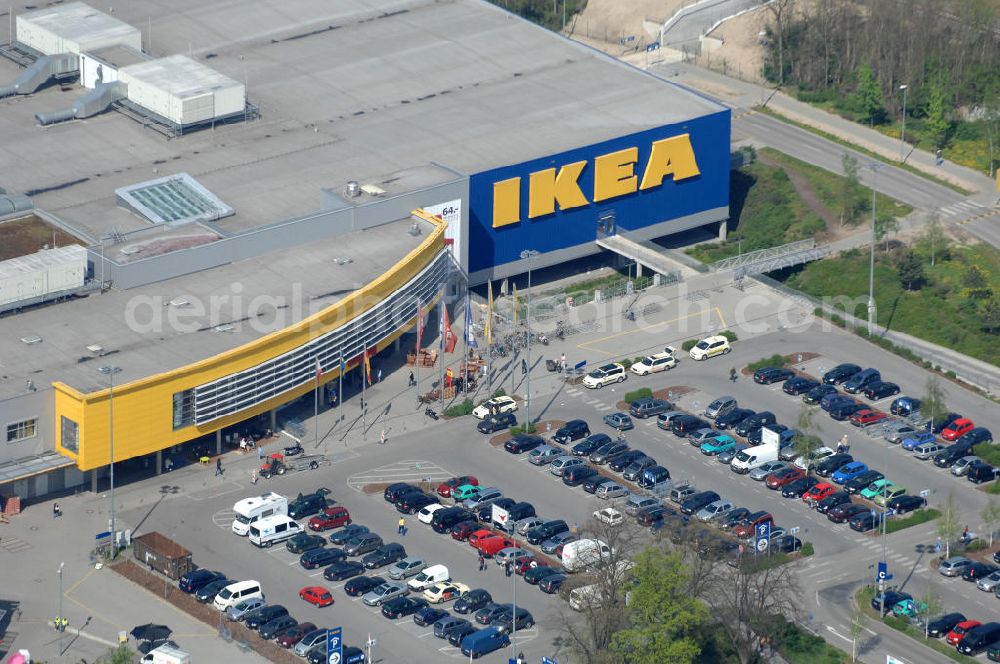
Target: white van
[235,593]
[428,577]
[585,597]
[166,655]
[251,509]
[752,457]
[271,529]
[584,553]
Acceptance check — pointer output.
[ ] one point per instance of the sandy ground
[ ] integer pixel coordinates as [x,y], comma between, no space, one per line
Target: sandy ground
[741,53]
[610,20]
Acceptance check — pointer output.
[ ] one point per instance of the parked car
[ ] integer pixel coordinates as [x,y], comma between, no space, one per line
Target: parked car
[472,601]
[860,381]
[832,463]
[619,462]
[384,555]
[779,478]
[330,518]
[445,591]
[978,570]
[655,363]
[543,532]
[619,421]
[849,471]
[865,521]
[499,404]
[733,417]
[862,481]
[975,436]
[949,455]
[904,406]
[941,625]
[601,454]
[495,423]
[769,375]
[321,557]
[843,411]
[345,569]
[684,425]
[302,542]
[905,503]
[308,504]
[400,607]
[274,628]
[917,439]
[816,394]
[833,500]
[881,389]
[840,373]
[634,470]
[940,423]
[694,503]
[957,428]
[845,512]
[444,489]
[318,596]
[797,488]
[798,385]
[588,445]
[360,585]
[718,445]
[572,430]
[362,544]
[605,375]
[429,615]
[207,592]
[710,347]
[577,476]
[954,566]
[961,466]
[959,631]
[406,567]
[719,407]
[342,536]
[648,406]
[381,594]
[980,472]
[523,442]
[866,417]
[544,455]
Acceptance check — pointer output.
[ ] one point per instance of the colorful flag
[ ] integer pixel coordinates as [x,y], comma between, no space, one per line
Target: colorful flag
[319,370]
[503,288]
[420,324]
[489,313]
[343,365]
[470,337]
[447,336]
[368,368]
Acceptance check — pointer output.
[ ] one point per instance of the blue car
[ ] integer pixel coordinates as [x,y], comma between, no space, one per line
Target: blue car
[911,442]
[849,472]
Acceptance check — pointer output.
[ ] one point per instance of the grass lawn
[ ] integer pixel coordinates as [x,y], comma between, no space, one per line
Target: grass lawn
[939,312]
[914,519]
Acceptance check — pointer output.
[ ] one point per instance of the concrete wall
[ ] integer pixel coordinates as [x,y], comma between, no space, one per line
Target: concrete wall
[40,404]
[336,218]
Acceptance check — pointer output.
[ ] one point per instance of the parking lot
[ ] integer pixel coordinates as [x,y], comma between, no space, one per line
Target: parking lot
[455,448]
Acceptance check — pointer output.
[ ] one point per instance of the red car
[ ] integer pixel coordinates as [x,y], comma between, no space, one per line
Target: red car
[819,492]
[482,533]
[867,417]
[779,479]
[490,546]
[461,531]
[293,635]
[524,563]
[316,595]
[444,489]
[957,429]
[330,517]
[959,631]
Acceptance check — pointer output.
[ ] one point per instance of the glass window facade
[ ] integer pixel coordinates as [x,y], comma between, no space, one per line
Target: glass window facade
[20,430]
[70,435]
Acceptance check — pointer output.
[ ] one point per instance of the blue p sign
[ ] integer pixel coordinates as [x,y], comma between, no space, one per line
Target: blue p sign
[334,645]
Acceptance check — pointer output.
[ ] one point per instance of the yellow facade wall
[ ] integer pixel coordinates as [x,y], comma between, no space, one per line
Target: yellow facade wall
[143,409]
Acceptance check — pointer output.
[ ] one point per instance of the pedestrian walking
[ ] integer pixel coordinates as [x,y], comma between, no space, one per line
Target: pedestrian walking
[363,404]
[482,562]
[253,476]
[169,463]
[413,381]
[260,453]
[732,375]
[965,535]
[378,376]
[937,545]
[56,511]
[509,569]
[562,363]
[524,367]
[402,526]
[382,438]
[218,466]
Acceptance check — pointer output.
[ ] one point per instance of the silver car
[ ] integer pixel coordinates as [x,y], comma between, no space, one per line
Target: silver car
[406,568]
[727,457]
[714,510]
[720,407]
[761,472]
[240,609]
[382,594]
[896,434]
[638,502]
[543,455]
[550,545]
[524,525]
[563,463]
[954,566]
[510,554]
[961,467]
[701,435]
[990,582]
[310,641]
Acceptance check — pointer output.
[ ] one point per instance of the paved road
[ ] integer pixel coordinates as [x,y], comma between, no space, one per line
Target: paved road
[690,23]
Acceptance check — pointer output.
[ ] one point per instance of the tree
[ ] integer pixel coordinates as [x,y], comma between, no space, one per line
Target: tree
[933,402]
[120,655]
[932,601]
[858,621]
[989,314]
[781,10]
[911,271]
[885,224]
[934,237]
[868,95]
[949,525]
[991,516]
[977,282]
[937,112]
[851,198]
[665,620]
[804,441]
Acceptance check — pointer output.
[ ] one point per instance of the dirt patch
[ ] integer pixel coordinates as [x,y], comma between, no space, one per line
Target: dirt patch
[736,48]
[542,429]
[667,394]
[26,235]
[163,587]
[808,195]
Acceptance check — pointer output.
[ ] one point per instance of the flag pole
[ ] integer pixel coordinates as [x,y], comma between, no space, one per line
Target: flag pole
[319,370]
[340,390]
[364,404]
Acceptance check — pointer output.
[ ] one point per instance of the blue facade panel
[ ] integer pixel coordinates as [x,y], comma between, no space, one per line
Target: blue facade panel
[492,247]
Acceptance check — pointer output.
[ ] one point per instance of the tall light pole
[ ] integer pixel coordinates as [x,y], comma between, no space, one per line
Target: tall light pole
[871,264]
[110,371]
[60,614]
[902,131]
[527,255]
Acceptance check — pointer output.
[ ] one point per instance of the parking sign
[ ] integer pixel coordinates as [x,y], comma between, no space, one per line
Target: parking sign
[334,645]
[763,535]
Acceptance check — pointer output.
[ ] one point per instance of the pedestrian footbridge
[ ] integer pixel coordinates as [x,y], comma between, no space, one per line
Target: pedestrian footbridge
[644,256]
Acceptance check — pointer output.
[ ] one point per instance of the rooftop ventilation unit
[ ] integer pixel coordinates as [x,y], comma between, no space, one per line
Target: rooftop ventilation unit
[180,302]
[96,349]
[353,190]
[31,340]
[373,190]
[227,327]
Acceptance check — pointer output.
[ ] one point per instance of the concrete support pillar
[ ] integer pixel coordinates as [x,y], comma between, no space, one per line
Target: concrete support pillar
[723,230]
[218,442]
[395,345]
[638,270]
[93,481]
[274,419]
[159,461]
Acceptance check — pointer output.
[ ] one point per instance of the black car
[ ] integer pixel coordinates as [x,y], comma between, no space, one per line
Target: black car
[344,569]
[303,542]
[523,442]
[457,634]
[732,517]
[978,570]
[859,483]
[843,411]
[979,638]
[941,422]
[394,491]
[307,505]
[601,454]
[684,425]
[797,488]
[539,534]
[513,620]
[443,520]
[769,375]
[975,436]
[892,598]
[763,419]
[496,423]
[980,472]
[473,600]
[591,483]
[865,521]
[833,463]
[351,655]
[881,389]
[384,555]
[362,544]
[590,444]
[633,471]
[733,417]
[429,615]
[797,385]
[941,626]
[697,501]
[578,475]
[346,533]
[624,459]
[906,503]
[536,574]
[359,585]
[754,437]
[813,396]
[321,557]
[840,373]
[787,544]
[264,615]
[272,629]
[845,512]
[836,498]
[485,615]
[399,607]
[551,584]
[207,592]
[413,502]
[572,430]
[946,457]
[195,579]
[485,513]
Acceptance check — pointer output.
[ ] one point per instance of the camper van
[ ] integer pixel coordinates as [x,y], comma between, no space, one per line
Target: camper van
[265,532]
[584,553]
[251,509]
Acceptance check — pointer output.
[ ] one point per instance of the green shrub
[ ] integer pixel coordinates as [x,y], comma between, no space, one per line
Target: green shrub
[912,519]
[528,427]
[994,488]
[729,334]
[460,409]
[635,395]
[988,452]
[773,361]
[627,363]
[800,647]
[689,344]
[499,392]
[807,549]
[977,545]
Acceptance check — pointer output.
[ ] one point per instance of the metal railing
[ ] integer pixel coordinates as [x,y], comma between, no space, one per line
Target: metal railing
[772,258]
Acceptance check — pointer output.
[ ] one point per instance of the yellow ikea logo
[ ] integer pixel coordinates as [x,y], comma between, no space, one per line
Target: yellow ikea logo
[614,176]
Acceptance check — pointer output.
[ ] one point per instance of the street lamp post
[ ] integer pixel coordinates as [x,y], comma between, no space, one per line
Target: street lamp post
[902,131]
[527,255]
[60,614]
[110,371]
[871,264]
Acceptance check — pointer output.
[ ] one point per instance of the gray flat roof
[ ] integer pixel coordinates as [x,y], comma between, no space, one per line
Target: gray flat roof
[306,279]
[360,90]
